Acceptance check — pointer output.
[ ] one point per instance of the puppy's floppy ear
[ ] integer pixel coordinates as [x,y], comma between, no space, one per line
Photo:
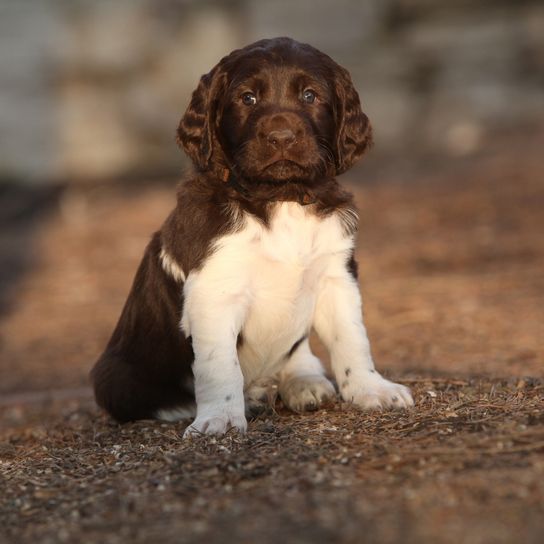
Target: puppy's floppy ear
[354,133]
[195,132]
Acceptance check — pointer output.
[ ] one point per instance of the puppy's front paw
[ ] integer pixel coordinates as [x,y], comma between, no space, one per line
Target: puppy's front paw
[306,393]
[377,393]
[217,424]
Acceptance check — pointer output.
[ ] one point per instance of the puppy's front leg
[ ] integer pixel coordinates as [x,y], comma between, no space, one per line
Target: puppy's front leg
[213,319]
[338,322]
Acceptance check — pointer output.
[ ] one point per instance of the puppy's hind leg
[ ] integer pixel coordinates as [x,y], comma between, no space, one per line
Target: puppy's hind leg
[180,412]
[303,385]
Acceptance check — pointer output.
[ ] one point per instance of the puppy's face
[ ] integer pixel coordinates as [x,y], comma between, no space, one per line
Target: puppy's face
[277,122]
[276,111]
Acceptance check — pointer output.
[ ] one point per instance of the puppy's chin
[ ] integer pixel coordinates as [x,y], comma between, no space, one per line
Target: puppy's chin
[282,172]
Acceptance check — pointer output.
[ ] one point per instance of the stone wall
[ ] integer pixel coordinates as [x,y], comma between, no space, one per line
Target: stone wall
[94,89]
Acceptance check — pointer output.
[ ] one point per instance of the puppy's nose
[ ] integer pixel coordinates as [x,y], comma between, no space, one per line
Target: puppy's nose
[281,139]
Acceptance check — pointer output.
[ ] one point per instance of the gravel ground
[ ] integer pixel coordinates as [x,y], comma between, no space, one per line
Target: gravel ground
[465,466]
[452,277]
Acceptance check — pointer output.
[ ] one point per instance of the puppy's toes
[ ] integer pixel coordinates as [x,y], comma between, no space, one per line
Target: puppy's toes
[306,393]
[215,425]
[255,408]
[260,398]
[378,394]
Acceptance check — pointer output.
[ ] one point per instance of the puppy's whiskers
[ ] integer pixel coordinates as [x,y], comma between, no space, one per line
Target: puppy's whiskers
[325,146]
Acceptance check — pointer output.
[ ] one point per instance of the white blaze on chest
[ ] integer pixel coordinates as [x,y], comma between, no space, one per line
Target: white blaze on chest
[272,273]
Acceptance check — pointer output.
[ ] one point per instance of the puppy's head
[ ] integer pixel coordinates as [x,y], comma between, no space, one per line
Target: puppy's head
[276,111]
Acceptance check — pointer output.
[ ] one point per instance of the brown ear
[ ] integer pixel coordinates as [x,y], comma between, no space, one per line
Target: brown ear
[354,134]
[195,132]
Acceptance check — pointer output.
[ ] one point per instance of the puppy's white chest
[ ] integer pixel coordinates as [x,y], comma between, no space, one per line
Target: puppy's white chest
[268,276]
[285,263]
[288,249]
[286,259]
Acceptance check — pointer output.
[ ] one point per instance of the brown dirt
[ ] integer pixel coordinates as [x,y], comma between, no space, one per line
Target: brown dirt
[452,276]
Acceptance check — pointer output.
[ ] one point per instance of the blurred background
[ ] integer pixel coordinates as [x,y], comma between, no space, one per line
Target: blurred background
[452,193]
[94,89]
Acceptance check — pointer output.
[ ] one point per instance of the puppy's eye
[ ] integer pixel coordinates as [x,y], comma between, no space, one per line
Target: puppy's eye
[309,96]
[249,99]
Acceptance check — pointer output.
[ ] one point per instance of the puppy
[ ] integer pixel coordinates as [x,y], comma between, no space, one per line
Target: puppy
[258,251]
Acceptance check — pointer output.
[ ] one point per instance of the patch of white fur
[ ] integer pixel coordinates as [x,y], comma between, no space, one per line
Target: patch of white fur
[171,267]
[176,414]
[271,284]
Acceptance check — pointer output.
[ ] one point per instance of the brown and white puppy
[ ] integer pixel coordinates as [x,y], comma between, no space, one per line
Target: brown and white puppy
[257,252]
